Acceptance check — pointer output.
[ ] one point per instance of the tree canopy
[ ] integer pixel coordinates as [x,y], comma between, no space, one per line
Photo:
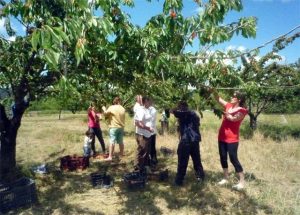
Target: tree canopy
[92,50]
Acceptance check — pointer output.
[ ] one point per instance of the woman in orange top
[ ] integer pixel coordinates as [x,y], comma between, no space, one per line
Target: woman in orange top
[228,137]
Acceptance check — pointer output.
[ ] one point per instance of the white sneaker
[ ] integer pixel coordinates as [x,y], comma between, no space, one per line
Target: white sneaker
[223,182]
[238,186]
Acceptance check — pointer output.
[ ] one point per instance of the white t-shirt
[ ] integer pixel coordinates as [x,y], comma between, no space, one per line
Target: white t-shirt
[136,107]
[87,141]
[153,119]
[143,115]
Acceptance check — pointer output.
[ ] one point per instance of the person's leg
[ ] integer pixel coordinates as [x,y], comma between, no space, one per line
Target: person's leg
[167,126]
[120,140]
[98,133]
[152,151]
[112,140]
[162,125]
[142,152]
[232,150]
[111,152]
[93,141]
[196,157]
[183,153]
[223,158]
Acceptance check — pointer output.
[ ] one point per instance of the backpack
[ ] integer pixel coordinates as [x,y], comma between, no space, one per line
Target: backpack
[189,133]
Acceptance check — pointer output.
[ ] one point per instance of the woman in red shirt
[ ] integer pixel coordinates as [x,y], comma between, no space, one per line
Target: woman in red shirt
[94,127]
[228,137]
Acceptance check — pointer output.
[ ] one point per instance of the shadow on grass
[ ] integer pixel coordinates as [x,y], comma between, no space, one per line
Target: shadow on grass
[156,198]
[204,197]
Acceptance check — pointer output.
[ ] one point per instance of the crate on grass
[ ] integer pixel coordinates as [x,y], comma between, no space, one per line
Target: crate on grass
[159,175]
[135,180]
[74,162]
[19,193]
[101,180]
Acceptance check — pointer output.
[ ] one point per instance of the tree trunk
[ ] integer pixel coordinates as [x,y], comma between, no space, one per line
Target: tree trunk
[8,142]
[8,155]
[253,121]
[59,115]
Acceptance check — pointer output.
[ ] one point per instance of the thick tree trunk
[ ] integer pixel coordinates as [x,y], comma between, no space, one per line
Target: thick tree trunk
[8,155]
[8,142]
[253,121]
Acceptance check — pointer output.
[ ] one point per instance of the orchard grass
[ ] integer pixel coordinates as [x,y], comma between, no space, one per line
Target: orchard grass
[272,172]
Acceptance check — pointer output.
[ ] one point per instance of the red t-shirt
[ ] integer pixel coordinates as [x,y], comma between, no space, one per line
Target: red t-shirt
[230,131]
[93,123]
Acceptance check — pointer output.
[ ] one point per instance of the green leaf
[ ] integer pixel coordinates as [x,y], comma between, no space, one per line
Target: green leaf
[35,39]
[82,3]
[62,34]
[52,57]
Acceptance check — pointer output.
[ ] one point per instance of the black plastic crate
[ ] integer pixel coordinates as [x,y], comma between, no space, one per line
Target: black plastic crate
[135,180]
[159,175]
[101,180]
[20,193]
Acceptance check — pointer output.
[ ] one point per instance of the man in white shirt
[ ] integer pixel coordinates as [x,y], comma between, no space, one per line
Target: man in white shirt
[143,123]
[138,103]
[152,149]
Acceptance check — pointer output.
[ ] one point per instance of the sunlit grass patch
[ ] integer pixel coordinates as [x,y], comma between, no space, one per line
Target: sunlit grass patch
[272,173]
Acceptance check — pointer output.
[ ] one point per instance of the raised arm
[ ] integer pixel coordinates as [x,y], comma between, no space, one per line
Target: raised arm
[217,97]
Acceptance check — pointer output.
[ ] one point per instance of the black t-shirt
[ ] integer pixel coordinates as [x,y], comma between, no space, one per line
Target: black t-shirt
[188,119]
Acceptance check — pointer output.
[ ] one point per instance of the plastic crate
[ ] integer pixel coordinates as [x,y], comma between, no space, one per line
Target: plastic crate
[159,175]
[20,193]
[135,180]
[101,180]
[72,163]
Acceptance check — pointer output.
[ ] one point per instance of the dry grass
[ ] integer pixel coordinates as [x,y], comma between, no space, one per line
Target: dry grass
[272,174]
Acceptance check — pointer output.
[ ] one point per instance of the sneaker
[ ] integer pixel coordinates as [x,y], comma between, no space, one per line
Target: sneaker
[238,186]
[223,182]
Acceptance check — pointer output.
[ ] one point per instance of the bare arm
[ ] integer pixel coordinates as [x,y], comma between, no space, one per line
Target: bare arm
[217,97]
[105,111]
[239,116]
[140,124]
[220,100]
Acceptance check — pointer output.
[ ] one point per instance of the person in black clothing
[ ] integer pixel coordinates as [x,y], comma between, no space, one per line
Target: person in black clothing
[189,139]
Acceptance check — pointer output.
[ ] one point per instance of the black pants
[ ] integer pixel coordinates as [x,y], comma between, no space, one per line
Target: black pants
[98,133]
[142,156]
[184,151]
[231,149]
[152,150]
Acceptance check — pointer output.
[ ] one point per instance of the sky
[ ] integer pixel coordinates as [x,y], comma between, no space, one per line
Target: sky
[275,17]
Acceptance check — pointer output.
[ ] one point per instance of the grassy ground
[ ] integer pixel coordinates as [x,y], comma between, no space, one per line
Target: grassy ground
[272,173]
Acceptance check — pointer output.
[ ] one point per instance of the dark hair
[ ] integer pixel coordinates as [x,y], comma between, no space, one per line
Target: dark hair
[116,100]
[146,99]
[182,105]
[241,97]
[88,133]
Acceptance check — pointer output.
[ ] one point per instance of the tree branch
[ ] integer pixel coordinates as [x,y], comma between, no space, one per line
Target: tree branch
[247,52]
